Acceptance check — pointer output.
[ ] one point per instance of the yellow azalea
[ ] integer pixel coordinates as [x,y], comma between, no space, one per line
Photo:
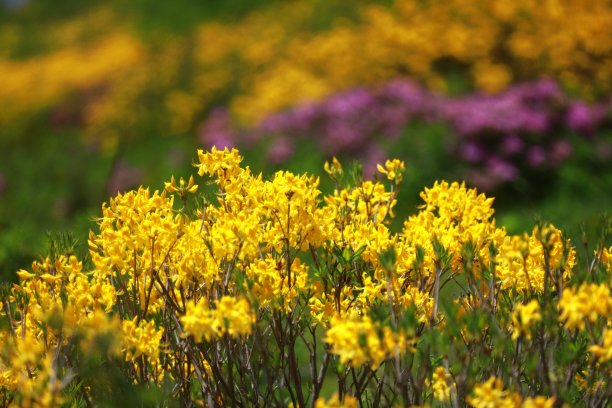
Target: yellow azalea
[171,186]
[221,163]
[334,168]
[421,301]
[491,77]
[356,340]
[393,169]
[368,202]
[50,278]
[524,317]
[28,371]
[372,290]
[453,216]
[335,402]
[603,352]
[352,338]
[141,338]
[182,188]
[290,204]
[325,306]
[606,258]
[23,274]
[160,279]
[521,262]
[236,314]
[491,394]
[98,326]
[273,286]
[232,316]
[439,383]
[198,321]
[589,302]
[538,402]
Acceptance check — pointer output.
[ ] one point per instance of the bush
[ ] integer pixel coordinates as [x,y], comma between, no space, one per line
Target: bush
[264,292]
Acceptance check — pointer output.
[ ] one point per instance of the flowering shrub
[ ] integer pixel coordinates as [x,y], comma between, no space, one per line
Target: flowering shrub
[265,292]
[502,138]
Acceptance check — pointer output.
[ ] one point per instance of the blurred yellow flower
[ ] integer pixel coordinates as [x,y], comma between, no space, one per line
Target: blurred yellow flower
[523,319]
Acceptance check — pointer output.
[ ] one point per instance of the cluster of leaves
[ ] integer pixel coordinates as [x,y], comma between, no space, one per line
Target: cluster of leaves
[272,294]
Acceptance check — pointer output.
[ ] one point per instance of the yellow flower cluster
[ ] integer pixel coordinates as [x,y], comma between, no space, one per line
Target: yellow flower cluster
[586,303]
[55,302]
[270,285]
[105,60]
[603,352]
[492,394]
[335,402]
[452,217]
[523,319]
[393,169]
[441,383]
[358,341]
[173,284]
[231,316]
[606,258]
[524,266]
[141,339]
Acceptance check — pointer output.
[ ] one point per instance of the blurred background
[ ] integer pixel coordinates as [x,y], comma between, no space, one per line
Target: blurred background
[99,97]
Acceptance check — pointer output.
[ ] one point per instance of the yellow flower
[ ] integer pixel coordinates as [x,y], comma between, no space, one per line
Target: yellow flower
[393,169]
[232,316]
[273,287]
[538,402]
[440,381]
[521,261]
[606,258]
[358,340]
[141,338]
[182,189]
[220,163]
[603,352]
[491,77]
[334,169]
[587,302]
[524,317]
[491,394]
[23,274]
[334,402]
[451,217]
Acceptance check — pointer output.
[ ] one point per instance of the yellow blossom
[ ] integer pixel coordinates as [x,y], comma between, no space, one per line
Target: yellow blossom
[334,402]
[522,261]
[182,188]
[538,402]
[606,258]
[524,317]
[587,302]
[393,169]
[440,383]
[141,338]
[232,316]
[491,394]
[334,168]
[357,341]
[603,352]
